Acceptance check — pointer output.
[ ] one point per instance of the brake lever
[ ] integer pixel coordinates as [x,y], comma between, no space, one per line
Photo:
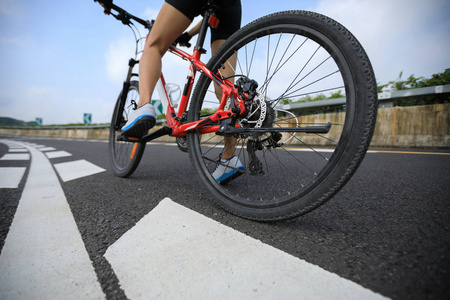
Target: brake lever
[123,17]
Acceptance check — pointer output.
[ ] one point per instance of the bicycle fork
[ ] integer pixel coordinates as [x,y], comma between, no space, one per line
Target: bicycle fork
[126,86]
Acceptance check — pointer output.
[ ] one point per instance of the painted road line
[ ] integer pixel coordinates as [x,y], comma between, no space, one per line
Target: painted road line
[43,149]
[176,253]
[369,151]
[44,256]
[15,150]
[57,154]
[34,145]
[21,156]
[407,152]
[76,169]
[11,177]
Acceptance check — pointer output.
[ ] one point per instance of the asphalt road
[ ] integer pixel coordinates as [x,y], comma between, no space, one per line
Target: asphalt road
[387,230]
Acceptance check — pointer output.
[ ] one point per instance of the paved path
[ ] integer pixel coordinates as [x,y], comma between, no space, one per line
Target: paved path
[92,235]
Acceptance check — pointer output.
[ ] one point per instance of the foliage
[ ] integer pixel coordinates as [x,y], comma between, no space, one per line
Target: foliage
[13,122]
[207,111]
[436,79]
[309,98]
[337,94]
[413,82]
[285,101]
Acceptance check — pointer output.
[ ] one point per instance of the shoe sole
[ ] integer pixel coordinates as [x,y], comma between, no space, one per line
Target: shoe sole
[233,176]
[140,127]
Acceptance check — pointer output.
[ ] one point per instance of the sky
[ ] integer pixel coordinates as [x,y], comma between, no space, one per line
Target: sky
[62,59]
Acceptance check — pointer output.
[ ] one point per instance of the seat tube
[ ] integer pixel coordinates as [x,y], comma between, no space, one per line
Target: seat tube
[202,32]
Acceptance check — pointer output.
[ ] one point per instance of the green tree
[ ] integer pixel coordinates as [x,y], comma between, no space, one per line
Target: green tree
[400,84]
[436,79]
[285,101]
[207,111]
[337,94]
[413,82]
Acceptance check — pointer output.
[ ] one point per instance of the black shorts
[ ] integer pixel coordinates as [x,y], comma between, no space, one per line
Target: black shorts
[229,16]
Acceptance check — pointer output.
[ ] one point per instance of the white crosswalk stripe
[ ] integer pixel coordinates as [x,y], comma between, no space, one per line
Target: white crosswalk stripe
[171,253]
[43,149]
[22,156]
[17,150]
[76,169]
[44,256]
[57,154]
[176,253]
[67,171]
[10,177]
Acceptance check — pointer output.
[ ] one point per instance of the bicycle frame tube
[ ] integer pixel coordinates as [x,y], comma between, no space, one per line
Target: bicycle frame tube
[126,85]
[175,120]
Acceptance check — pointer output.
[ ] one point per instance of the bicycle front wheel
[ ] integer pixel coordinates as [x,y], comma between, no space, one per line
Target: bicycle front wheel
[124,155]
[296,152]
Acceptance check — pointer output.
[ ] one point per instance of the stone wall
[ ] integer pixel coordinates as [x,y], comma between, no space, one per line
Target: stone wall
[426,126]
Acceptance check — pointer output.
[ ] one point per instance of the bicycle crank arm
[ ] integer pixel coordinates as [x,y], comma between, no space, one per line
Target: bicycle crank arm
[156,134]
[229,130]
[148,137]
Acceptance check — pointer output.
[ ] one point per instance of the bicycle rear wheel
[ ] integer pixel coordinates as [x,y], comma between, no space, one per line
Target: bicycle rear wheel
[294,56]
[124,155]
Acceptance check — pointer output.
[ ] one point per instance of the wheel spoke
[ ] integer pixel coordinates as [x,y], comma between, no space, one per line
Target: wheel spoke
[286,153]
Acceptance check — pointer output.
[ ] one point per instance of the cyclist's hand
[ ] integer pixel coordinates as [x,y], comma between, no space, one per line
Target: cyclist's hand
[106,4]
[183,40]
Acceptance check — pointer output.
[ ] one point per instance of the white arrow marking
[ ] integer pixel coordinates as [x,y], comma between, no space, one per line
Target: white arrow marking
[176,253]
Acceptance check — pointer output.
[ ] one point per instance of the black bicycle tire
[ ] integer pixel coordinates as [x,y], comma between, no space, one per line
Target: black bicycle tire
[129,167]
[351,154]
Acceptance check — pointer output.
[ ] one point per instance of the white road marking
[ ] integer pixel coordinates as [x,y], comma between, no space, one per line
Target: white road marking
[176,253]
[21,156]
[44,256]
[11,177]
[34,145]
[76,169]
[17,150]
[43,149]
[57,154]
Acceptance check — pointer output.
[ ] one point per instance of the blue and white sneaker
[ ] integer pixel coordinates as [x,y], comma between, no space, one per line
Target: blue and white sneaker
[228,170]
[140,120]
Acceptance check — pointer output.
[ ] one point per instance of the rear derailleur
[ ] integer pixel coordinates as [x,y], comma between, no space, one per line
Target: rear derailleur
[255,166]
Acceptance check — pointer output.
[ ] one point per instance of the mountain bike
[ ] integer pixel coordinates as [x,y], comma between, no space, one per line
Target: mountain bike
[301,109]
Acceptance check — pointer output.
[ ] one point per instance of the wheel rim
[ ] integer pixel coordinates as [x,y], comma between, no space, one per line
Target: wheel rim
[319,68]
[123,153]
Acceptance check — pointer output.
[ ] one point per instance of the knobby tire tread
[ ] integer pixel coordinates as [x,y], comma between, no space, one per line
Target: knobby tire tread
[127,171]
[368,124]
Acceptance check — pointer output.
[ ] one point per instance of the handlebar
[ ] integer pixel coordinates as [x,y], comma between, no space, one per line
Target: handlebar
[125,17]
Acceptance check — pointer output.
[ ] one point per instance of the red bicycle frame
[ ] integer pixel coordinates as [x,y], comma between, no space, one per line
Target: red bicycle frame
[179,128]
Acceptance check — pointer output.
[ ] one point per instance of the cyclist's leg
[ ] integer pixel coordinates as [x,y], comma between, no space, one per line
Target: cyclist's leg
[231,167]
[230,22]
[169,24]
[227,71]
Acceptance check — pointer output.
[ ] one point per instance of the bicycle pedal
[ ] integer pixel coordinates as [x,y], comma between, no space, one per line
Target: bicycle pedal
[123,138]
[226,127]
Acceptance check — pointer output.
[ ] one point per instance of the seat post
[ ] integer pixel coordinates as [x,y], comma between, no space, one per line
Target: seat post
[203,30]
